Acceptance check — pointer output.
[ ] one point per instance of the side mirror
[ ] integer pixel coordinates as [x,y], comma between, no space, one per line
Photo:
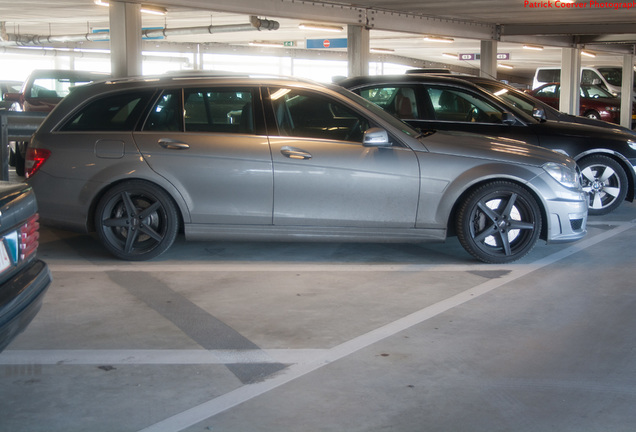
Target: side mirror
[507,118]
[376,137]
[539,114]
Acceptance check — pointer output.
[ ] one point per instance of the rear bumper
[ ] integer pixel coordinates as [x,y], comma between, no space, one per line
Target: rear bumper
[25,293]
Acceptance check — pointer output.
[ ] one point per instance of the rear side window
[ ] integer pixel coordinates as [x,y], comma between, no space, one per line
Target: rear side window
[220,110]
[112,113]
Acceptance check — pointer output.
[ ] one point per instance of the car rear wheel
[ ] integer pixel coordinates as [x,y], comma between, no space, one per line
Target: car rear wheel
[605,181]
[136,221]
[499,222]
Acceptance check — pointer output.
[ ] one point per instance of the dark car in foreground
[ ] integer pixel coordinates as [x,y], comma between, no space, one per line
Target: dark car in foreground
[606,156]
[595,102]
[234,157]
[24,278]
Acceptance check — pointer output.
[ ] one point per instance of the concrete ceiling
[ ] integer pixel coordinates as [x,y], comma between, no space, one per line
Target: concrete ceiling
[395,25]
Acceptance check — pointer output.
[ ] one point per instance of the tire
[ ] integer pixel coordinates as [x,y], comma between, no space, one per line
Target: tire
[499,222]
[136,221]
[605,182]
[593,115]
[19,160]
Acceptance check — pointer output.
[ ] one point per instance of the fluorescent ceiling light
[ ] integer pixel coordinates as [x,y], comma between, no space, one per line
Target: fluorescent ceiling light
[588,54]
[381,50]
[148,9]
[504,66]
[439,39]
[320,27]
[267,44]
[533,47]
[453,56]
[153,10]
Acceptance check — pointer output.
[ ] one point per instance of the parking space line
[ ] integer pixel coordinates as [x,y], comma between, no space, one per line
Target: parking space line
[245,393]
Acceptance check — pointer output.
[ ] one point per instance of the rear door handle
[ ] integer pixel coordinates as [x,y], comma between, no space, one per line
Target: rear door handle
[173,144]
[293,153]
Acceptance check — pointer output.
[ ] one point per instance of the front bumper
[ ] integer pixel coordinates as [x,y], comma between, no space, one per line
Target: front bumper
[567,218]
[25,292]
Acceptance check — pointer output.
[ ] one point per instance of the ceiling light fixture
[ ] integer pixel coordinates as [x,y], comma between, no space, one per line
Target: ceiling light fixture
[381,50]
[588,54]
[449,55]
[504,66]
[320,27]
[439,39]
[533,47]
[153,10]
[148,9]
[267,44]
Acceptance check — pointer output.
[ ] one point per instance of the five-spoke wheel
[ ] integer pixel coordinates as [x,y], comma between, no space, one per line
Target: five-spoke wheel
[136,221]
[605,181]
[499,222]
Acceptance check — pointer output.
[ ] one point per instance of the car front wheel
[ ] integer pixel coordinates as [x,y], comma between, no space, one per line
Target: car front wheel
[499,222]
[605,181]
[136,221]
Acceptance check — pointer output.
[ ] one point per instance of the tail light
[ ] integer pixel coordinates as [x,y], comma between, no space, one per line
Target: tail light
[29,237]
[35,157]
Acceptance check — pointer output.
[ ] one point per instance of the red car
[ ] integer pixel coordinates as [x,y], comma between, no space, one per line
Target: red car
[596,102]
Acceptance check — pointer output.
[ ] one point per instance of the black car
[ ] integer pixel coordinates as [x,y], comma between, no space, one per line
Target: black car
[23,277]
[606,156]
[536,107]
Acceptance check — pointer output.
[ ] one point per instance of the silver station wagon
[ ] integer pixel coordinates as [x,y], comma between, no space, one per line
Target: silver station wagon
[231,157]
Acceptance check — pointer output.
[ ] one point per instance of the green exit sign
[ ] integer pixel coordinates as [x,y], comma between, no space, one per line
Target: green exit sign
[289,43]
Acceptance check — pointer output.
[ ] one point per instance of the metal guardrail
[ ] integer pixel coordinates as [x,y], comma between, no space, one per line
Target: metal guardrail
[16,126]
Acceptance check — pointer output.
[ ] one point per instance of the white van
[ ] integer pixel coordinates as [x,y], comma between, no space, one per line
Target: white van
[608,77]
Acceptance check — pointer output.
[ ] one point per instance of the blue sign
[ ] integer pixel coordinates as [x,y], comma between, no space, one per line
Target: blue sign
[326,43]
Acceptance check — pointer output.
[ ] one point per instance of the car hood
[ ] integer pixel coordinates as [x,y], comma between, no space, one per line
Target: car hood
[490,147]
[583,131]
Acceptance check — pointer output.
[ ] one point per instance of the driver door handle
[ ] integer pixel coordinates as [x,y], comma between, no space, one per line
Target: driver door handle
[293,153]
[173,144]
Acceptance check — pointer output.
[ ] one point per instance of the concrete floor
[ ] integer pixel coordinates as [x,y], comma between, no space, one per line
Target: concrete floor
[330,337]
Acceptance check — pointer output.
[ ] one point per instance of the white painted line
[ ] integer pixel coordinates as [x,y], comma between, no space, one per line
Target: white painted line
[154,357]
[231,399]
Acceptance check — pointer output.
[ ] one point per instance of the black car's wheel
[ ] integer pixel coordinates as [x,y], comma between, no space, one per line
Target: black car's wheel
[593,115]
[605,181]
[136,221]
[499,222]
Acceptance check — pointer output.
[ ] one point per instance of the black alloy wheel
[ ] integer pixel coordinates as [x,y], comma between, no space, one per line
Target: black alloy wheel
[136,221]
[499,222]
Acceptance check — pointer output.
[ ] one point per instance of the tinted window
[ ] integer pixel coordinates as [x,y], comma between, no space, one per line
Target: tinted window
[310,115]
[223,110]
[456,105]
[549,91]
[549,75]
[165,115]
[112,113]
[399,101]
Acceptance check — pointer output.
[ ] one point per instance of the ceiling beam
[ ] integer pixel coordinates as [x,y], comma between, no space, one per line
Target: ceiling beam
[567,29]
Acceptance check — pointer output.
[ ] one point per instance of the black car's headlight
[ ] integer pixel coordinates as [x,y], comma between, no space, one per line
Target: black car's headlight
[568,177]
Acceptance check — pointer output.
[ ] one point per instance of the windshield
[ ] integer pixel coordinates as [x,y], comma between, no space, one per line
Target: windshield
[513,97]
[614,75]
[393,121]
[592,91]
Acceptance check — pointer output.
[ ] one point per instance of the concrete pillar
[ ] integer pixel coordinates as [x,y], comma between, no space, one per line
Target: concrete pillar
[570,81]
[125,39]
[488,59]
[627,91]
[358,50]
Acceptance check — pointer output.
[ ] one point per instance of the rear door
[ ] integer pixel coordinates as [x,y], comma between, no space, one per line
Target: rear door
[210,143]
